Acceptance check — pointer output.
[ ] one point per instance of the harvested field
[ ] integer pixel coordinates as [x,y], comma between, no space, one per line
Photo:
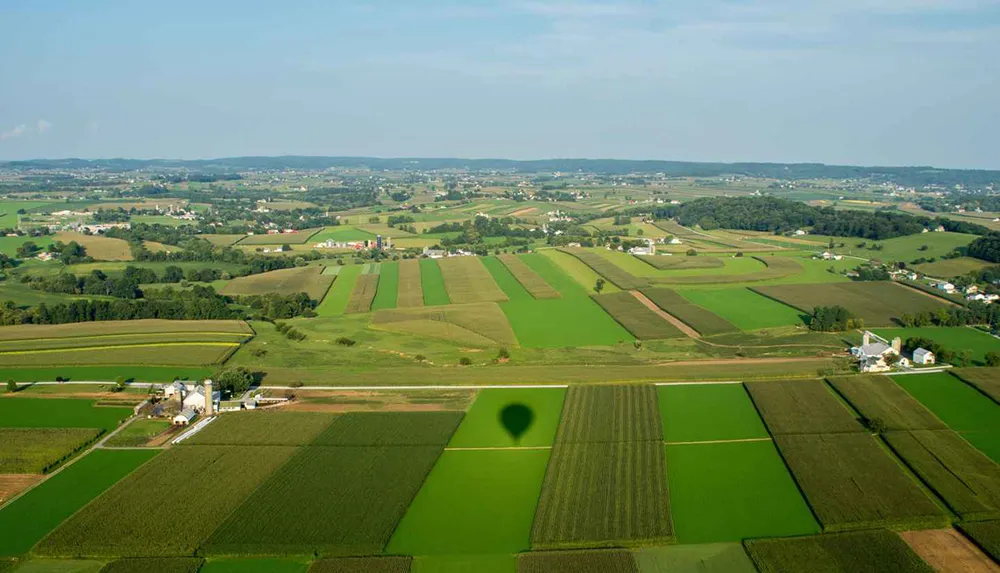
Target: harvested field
[432,282]
[390,429]
[99,247]
[986,535]
[855,551]
[411,291]
[965,478]
[626,413]
[701,558]
[880,397]
[35,332]
[40,450]
[948,551]
[309,280]
[703,321]
[676,263]
[473,324]
[708,412]
[776,268]
[263,428]
[587,561]
[603,494]
[296,238]
[878,303]
[467,280]
[367,488]
[388,286]
[13,484]
[851,482]
[642,322]
[362,565]
[986,380]
[529,279]
[158,564]
[801,407]
[607,269]
[123,522]
[363,294]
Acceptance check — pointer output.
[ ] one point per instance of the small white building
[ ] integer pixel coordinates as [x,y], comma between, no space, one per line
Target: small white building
[874,351]
[828,256]
[923,356]
[186,416]
[946,287]
[801,232]
[176,388]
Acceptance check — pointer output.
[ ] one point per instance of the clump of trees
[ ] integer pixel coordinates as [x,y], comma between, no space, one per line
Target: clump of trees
[236,380]
[834,319]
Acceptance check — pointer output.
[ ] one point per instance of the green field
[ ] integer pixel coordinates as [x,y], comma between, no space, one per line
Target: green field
[584,561]
[482,425]
[625,413]
[411,291]
[336,299]
[159,564]
[158,354]
[40,450]
[705,322]
[878,303]
[472,324]
[21,412]
[801,407]
[638,319]
[961,406]
[254,565]
[502,563]
[59,566]
[432,282]
[607,269]
[744,308]
[35,332]
[136,372]
[365,289]
[390,429]
[582,275]
[907,248]
[466,279]
[701,558]
[987,380]
[708,412]
[263,428]
[855,551]
[474,502]
[663,263]
[949,268]
[29,518]
[309,280]
[388,286]
[9,245]
[709,505]
[954,338]
[341,233]
[529,279]
[879,397]
[138,433]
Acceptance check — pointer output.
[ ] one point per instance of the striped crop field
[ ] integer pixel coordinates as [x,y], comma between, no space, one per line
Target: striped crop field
[467,280]
[529,279]
[642,322]
[363,294]
[411,290]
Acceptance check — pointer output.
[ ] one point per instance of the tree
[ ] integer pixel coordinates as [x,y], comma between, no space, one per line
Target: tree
[599,286]
[963,358]
[119,384]
[691,253]
[503,354]
[11,386]
[876,425]
[465,361]
[992,359]
[234,380]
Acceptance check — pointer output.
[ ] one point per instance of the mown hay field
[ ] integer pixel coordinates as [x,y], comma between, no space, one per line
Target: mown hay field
[473,324]
[25,521]
[855,551]
[663,263]
[851,482]
[367,488]
[708,505]
[388,286]
[480,427]
[878,303]
[39,450]
[880,397]
[123,522]
[432,283]
[411,290]
[965,478]
[363,294]
[986,380]
[20,411]
[309,280]
[698,318]
[99,247]
[296,238]
[584,561]
[801,407]
[467,280]
[263,428]
[138,433]
[603,494]
[474,502]
[771,268]
[607,269]
[529,279]
[744,308]
[708,412]
[339,295]
[624,413]
[35,332]
[642,322]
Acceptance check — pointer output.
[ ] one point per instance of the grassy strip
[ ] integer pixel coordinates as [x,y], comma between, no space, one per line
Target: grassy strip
[432,282]
[388,286]
[636,317]
[363,294]
[856,551]
[801,407]
[705,322]
[528,278]
[411,290]
[337,298]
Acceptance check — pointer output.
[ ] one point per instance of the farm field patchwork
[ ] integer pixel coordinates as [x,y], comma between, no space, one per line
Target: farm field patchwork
[23,412]
[472,324]
[701,558]
[481,426]
[744,308]
[510,286]
[954,338]
[36,332]
[854,551]
[29,518]
[309,280]
[705,322]
[733,490]
[390,429]
[529,279]
[39,450]
[363,294]
[851,482]
[642,322]
[625,413]
[122,522]
[878,303]
[607,269]
[388,286]
[411,291]
[708,412]
[986,380]
[263,428]
[466,279]
[880,397]
[339,295]
[584,561]
[432,282]
[479,502]
[99,247]
[583,276]
[801,407]
[764,268]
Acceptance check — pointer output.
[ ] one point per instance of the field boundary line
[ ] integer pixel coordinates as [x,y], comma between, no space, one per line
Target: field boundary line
[697,382]
[497,448]
[736,441]
[678,323]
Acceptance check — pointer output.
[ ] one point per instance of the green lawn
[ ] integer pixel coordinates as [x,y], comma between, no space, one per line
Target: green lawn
[955,338]
[480,502]
[732,491]
[29,518]
[21,412]
[432,282]
[388,286]
[707,412]
[744,308]
[335,301]
[9,245]
[965,409]
[482,426]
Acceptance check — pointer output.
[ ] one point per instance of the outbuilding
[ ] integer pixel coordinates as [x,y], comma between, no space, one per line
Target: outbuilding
[923,356]
[185,417]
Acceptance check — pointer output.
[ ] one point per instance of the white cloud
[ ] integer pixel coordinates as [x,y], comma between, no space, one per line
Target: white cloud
[16,131]
[42,126]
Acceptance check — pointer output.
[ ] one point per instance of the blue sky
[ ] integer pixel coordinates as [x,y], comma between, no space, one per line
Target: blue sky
[888,82]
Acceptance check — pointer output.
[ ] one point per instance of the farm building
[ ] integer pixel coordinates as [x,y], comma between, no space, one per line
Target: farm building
[923,356]
[196,399]
[877,354]
[185,417]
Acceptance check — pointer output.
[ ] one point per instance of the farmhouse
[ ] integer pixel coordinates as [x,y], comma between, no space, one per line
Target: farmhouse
[185,417]
[196,398]
[877,354]
[923,356]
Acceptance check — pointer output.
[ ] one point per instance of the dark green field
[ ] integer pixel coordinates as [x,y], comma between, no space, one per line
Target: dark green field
[801,407]
[642,322]
[881,551]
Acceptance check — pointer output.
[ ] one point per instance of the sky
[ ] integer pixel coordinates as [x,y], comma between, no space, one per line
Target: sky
[860,82]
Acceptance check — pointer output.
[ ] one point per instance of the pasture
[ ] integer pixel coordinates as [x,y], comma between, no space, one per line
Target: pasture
[410,291]
[477,502]
[529,279]
[708,506]
[854,551]
[338,297]
[880,397]
[365,288]
[801,407]
[950,268]
[474,324]
[708,412]
[908,248]
[388,286]
[9,245]
[432,283]
[703,321]
[99,247]
[642,322]
[743,308]
[29,518]
[466,279]
[481,426]
[309,280]
[851,482]
[878,303]
[954,338]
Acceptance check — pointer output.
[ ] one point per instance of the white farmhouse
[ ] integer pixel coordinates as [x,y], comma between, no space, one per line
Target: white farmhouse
[874,351]
[923,356]
[196,398]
